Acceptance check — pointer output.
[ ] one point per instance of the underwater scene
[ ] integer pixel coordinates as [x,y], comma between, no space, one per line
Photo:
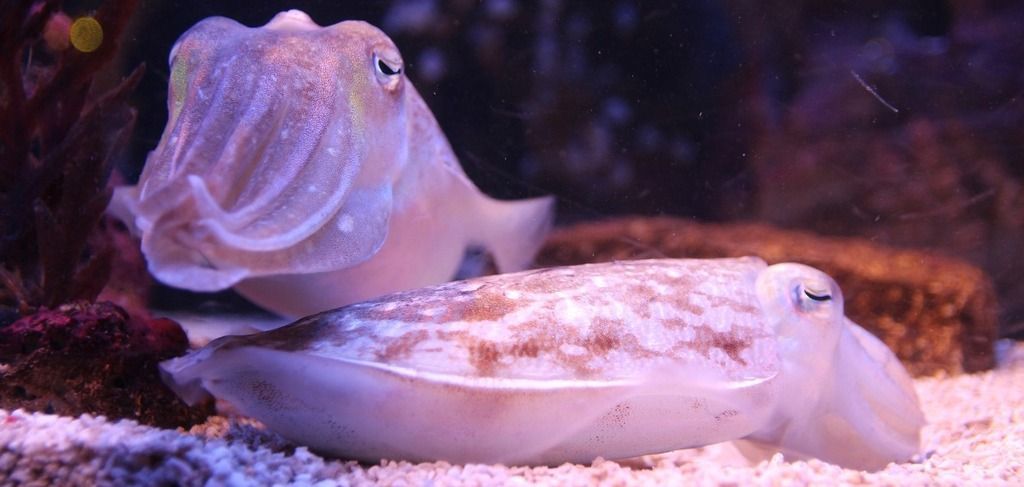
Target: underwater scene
[489,242]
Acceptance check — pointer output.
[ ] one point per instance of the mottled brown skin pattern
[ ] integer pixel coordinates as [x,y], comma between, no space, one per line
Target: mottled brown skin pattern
[487,304]
[585,321]
[730,342]
[402,346]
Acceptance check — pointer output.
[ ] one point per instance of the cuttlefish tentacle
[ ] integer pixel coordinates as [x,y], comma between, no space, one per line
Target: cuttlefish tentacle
[567,364]
[300,166]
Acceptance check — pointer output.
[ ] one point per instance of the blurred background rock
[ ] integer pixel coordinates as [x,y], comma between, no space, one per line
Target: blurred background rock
[896,121]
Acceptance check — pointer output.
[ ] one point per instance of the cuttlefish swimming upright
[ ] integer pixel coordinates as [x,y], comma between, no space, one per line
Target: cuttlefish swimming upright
[300,166]
[568,364]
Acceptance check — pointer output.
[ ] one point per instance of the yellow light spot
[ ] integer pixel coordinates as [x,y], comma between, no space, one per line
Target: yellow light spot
[357,106]
[179,83]
[86,34]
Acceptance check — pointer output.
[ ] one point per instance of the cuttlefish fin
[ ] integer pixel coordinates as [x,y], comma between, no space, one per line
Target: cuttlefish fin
[513,231]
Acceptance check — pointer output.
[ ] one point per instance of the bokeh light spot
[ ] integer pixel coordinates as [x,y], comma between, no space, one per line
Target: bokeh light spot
[86,34]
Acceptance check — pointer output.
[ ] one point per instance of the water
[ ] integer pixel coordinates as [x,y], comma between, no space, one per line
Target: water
[885,127]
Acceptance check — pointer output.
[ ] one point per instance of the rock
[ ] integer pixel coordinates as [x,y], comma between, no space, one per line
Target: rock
[935,312]
[92,358]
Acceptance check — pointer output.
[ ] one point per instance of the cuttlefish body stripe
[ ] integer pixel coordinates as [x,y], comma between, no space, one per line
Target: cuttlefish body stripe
[568,364]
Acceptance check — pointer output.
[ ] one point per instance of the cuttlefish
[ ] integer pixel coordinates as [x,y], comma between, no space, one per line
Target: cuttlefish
[567,364]
[301,167]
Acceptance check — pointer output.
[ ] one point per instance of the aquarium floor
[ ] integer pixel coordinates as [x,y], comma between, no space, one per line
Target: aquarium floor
[975,436]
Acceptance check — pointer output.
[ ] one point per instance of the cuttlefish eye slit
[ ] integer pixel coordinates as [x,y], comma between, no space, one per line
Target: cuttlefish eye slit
[817,296]
[386,69]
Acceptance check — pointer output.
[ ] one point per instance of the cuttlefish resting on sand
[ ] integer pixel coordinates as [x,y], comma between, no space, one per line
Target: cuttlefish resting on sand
[568,364]
[300,166]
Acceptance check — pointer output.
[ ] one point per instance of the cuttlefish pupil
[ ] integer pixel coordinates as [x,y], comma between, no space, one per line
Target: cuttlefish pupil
[817,295]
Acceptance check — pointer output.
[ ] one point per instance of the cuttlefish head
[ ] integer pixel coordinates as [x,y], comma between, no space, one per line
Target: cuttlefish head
[845,397]
[280,152]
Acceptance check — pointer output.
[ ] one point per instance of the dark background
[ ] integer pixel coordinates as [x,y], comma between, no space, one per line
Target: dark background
[713,110]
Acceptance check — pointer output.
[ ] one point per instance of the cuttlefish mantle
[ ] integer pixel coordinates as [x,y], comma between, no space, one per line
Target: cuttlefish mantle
[300,166]
[567,364]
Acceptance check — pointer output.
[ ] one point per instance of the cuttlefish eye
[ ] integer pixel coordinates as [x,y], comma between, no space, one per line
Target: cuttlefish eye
[789,288]
[817,295]
[388,68]
[812,296]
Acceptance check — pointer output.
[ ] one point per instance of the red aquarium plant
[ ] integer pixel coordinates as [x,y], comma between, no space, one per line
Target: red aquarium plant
[60,350]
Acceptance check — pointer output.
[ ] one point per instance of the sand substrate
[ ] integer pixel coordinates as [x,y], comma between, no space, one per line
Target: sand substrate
[975,436]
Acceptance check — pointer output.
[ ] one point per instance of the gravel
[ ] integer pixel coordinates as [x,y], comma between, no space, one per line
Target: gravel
[975,436]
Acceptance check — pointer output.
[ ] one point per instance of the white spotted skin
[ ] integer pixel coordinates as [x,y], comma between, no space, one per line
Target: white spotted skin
[568,364]
[296,170]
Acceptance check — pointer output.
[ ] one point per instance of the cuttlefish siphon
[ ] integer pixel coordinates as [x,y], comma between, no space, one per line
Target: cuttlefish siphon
[301,167]
[568,364]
